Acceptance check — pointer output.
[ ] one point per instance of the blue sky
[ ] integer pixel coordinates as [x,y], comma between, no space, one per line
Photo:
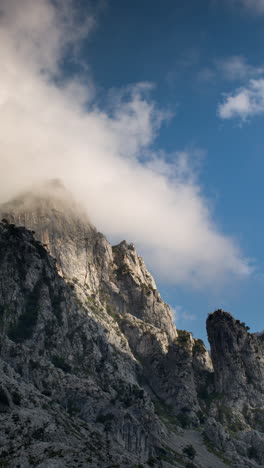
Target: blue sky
[152,113]
[195,52]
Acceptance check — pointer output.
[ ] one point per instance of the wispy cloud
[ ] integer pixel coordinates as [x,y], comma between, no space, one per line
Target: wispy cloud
[53,127]
[237,68]
[181,315]
[233,68]
[245,102]
[256,6]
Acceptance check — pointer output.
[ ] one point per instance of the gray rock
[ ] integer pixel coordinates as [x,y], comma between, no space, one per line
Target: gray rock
[92,369]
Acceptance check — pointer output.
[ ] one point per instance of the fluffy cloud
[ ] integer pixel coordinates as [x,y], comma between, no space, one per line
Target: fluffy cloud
[245,102]
[52,128]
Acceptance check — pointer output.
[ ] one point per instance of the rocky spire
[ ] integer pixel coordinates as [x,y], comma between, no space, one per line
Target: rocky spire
[238,359]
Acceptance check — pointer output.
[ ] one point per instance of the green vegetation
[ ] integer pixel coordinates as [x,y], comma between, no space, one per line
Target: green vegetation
[93,305]
[199,347]
[183,337]
[112,314]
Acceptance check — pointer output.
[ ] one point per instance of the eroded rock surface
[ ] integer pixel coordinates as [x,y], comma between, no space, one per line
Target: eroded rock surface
[92,369]
[238,404]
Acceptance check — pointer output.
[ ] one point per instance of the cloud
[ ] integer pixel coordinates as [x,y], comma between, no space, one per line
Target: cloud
[256,6]
[53,127]
[234,68]
[237,68]
[245,102]
[179,314]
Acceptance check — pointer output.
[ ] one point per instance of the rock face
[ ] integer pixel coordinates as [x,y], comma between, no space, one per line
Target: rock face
[68,364]
[238,358]
[92,369]
[84,256]
[238,361]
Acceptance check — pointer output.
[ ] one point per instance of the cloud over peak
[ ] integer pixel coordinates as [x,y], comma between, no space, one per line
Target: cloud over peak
[54,128]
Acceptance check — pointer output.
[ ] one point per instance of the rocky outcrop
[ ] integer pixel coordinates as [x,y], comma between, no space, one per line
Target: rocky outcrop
[238,358]
[238,399]
[92,369]
[115,281]
[51,344]
[116,276]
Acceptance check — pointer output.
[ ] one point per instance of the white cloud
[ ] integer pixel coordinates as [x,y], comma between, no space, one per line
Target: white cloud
[54,129]
[245,102]
[237,68]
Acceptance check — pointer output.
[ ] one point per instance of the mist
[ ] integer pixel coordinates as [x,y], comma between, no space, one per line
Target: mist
[53,127]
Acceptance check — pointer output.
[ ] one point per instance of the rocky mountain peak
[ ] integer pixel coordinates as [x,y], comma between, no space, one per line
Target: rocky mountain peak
[46,200]
[92,369]
[84,256]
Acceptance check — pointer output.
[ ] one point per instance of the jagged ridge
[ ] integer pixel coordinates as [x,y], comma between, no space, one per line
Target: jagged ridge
[99,345]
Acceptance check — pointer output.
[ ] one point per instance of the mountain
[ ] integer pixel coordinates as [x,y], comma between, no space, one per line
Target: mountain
[93,372]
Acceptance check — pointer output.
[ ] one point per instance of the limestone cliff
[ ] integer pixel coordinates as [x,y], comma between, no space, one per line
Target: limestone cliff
[238,401]
[92,369]
[84,256]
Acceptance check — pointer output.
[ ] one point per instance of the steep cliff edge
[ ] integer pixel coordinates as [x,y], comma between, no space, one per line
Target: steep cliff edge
[86,334]
[71,389]
[115,275]
[82,382]
[238,359]
[238,403]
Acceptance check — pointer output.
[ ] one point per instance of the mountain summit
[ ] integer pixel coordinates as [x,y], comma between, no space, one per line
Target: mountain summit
[93,372]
